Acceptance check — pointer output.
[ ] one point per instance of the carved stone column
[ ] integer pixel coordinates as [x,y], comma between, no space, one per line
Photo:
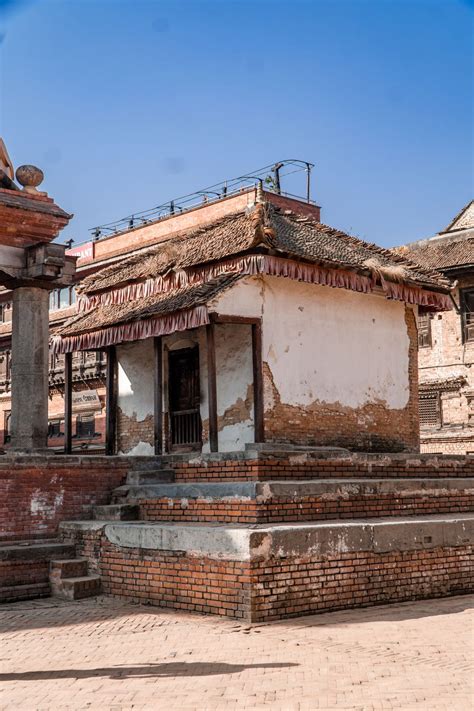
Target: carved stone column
[30,353]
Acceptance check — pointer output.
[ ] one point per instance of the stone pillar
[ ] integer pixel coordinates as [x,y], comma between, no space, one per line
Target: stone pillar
[30,372]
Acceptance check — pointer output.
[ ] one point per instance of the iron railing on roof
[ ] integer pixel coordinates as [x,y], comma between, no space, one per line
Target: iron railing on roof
[270,177]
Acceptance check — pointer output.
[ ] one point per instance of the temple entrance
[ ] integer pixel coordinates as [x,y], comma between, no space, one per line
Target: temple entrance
[184,398]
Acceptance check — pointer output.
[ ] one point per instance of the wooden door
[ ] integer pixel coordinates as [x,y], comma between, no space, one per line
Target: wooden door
[184,398]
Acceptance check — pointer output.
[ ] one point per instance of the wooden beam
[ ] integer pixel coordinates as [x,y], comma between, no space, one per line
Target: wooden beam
[212,387]
[111,401]
[158,395]
[258,381]
[227,318]
[68,403]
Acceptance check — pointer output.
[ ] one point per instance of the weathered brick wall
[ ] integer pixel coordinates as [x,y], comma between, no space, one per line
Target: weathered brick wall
[292,587]
[32,575]
[307,508]
[37,493]
[278,587]
[448,358]
[299,466]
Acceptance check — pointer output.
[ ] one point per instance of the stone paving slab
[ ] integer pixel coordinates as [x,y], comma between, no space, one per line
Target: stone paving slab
[104,654]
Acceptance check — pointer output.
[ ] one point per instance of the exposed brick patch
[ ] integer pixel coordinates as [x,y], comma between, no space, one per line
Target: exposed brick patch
[131,431]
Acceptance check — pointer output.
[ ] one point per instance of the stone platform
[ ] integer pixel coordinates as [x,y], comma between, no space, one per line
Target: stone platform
[262,534]
[272,533]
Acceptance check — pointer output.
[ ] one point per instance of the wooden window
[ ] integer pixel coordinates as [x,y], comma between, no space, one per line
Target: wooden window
[430,414]
[54,428]
[424,330]
[467,314]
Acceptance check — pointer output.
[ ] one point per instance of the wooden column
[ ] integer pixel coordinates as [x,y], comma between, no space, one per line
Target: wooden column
[158,395]
[68,403]
[212,386]
[258,381]
[111,401]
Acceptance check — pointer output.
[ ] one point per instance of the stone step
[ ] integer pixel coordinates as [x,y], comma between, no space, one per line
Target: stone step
[307,500]
[76,588]
[69,568]
[116,512]
[149,476]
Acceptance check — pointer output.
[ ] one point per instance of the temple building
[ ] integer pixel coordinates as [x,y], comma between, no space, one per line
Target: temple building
[251,376]
[446,341]
[257,323]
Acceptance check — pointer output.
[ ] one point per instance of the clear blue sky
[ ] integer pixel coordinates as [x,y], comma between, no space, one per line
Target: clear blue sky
[126,104]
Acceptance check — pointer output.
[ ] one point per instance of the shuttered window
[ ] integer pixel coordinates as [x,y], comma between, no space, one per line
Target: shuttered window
[424,330]
[430,410]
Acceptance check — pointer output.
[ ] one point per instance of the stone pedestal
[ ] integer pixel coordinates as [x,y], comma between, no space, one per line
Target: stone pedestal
[30,353]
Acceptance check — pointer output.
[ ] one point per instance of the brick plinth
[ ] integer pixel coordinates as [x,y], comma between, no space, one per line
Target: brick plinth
[262,466]
[305,508]
[299,586]
[261,573]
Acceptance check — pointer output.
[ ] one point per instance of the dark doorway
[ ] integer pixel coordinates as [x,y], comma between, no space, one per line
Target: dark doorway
[184,398]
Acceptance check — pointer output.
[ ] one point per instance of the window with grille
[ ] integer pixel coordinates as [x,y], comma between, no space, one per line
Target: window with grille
[467,314]
[424,330]
[85,426]
[430,410]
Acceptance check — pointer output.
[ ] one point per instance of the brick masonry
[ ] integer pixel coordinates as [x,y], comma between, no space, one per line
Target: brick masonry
[265,467]
[306,508]
[38,493]
[274,588]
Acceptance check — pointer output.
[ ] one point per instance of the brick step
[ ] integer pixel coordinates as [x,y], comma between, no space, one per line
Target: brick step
[116,512]
[69,568]
[76,588]
[308,500]
[150,476]
[27,591]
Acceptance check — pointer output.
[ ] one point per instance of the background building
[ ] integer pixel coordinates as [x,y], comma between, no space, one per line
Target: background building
[446,341]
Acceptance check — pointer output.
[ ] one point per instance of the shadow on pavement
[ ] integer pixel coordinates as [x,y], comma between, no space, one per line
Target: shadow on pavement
[171,669]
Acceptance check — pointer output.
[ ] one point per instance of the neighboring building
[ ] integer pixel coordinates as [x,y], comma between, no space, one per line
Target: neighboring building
[227,332]
[446,341]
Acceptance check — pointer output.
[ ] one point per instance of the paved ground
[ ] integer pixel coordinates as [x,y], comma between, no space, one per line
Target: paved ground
[104,654]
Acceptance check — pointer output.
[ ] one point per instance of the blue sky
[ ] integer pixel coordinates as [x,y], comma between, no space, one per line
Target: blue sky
[125,105]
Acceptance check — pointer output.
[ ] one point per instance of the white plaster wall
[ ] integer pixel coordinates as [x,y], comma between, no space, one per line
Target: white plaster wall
[245,298]
[334,345]
[135,385]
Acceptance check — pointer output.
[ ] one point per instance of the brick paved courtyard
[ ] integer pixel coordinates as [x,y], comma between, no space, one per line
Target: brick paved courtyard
[104,654]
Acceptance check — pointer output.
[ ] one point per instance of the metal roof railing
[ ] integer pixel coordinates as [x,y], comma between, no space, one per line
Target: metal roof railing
[269,177]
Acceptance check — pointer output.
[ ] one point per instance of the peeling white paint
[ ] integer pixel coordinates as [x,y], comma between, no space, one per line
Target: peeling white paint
[42,505]
[335,345]
[142,449]
[135,378]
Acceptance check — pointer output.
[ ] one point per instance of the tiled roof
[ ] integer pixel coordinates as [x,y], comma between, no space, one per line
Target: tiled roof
[150,307]
[463,220]
[270,229]
[441,252]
